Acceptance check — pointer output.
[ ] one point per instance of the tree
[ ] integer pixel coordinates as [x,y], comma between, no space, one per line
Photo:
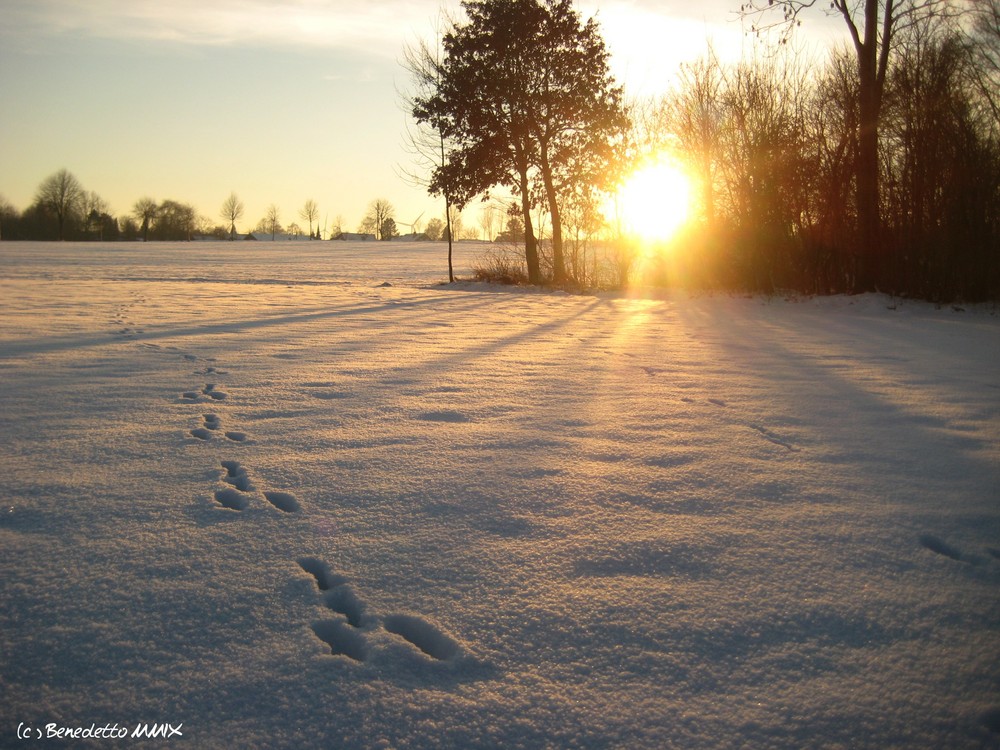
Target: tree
[310,213]
[175,221]
[379,210]
[144,212]
[272,220]
[8,214]
[872,25]
[232,211]
[434,229]
[428,143]
[62,195]
[387,229]
[985,35]
[524,94]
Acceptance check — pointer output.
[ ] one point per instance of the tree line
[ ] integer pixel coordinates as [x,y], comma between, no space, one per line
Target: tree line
[63,209]
[878,169]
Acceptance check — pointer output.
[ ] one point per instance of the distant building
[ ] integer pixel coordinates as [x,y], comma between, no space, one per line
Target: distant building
[354,237]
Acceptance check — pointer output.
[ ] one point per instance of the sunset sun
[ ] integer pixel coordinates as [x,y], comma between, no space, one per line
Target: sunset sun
[655,201]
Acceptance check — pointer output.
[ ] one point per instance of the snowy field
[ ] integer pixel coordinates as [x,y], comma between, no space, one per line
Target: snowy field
[250,490]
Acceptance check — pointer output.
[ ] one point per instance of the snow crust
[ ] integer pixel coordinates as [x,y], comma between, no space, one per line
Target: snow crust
[251,489]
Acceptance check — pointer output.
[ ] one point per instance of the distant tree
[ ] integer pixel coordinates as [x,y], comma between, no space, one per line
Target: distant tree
[272,220]
[434,229]
[232,211]
[455,223]
[144,212]
[295,230]
[62,195]
[488,221]
[378,211]
[175,221]
[129,230]
[388,229]
[514,231]
[8,214]
[310,213]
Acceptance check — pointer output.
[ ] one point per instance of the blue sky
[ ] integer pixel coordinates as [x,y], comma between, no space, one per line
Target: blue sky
[280,101]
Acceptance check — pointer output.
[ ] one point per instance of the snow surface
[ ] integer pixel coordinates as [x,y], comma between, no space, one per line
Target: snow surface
[250,490]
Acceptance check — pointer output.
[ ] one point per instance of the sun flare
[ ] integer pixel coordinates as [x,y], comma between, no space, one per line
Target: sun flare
[655,201]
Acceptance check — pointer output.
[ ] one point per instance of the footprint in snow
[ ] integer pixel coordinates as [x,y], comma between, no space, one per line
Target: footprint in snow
[342,639]
[939,546]
[447,415]
[772,438]
[239,494]
[422,634]
[325,578]
[213,425]
[346,637]
[210,391]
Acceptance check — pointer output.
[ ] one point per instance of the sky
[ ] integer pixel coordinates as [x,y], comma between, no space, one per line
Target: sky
[279,101]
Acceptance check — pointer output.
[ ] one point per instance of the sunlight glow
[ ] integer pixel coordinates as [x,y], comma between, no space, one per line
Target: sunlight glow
[655,201]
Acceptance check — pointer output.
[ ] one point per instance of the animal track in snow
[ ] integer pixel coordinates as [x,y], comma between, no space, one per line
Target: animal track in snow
[209,390]
[347,637]
[446,415]
[941,547]
[771,437]
[423,635]
[232,499]
[342,639]
[325,579]
[342,600]
[236,475]
[211,426]
[238,496]
[284,501]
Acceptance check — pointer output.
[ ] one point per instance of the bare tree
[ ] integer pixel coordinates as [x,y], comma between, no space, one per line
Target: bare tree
[310,213]
[488,215]
[232,211]
[427,142]
[379,210]
[985,34]
[693,115]
[272,220]
[872,25]
[61,194]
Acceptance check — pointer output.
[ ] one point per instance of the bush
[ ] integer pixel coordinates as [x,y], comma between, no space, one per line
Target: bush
[500,265]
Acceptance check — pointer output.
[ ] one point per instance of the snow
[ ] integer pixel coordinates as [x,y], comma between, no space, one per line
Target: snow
[249,489]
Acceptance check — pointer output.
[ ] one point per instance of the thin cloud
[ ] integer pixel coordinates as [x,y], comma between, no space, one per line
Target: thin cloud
[315,23]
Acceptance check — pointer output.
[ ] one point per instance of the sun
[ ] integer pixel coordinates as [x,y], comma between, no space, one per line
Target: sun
[655,201]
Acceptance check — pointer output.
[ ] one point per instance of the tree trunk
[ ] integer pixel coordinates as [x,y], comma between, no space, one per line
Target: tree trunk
[871,78]
[530,245]
[558,264]
[447,218]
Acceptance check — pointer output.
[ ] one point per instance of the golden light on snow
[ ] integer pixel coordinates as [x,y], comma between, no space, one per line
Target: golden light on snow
[655,201]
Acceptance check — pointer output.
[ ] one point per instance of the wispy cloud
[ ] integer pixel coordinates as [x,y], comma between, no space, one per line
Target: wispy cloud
[317,23]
